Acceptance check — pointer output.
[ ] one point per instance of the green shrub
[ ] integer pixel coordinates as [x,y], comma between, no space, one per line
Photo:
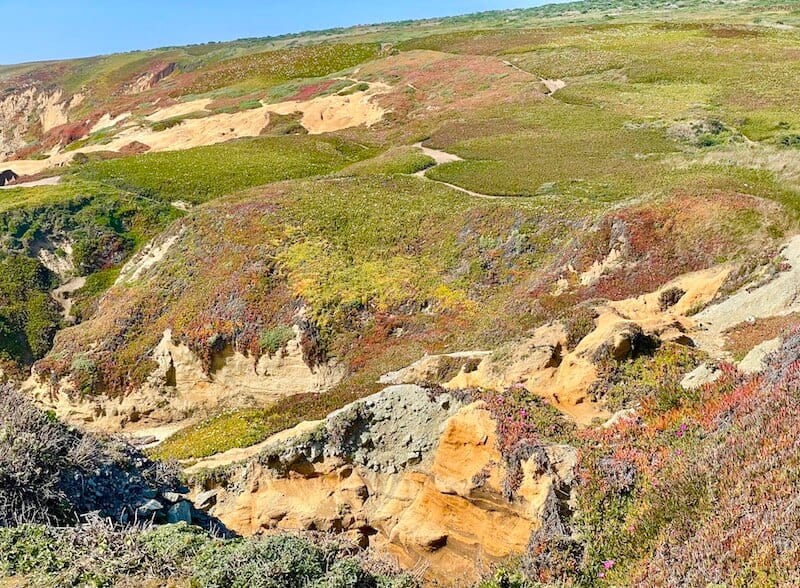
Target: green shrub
[250,105]
[792,140]
[285,124]
[163,125]
[102,556]
[52,473]
[29,317]
[282,561]
[360,87]
[276,339]
[651,379]
[579,323]
[29,549]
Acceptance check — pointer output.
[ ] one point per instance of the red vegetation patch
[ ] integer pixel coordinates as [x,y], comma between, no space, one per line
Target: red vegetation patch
[697,494]
[60,135]
[134,148]
[750,467]
[428,82]
[742,338]
[310,91]
[661,243]
[68,133]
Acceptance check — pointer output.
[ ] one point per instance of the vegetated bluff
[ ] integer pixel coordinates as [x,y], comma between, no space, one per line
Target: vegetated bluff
[495,296]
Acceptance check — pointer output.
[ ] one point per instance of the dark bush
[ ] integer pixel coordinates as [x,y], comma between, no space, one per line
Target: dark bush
[51,473]
[670,297]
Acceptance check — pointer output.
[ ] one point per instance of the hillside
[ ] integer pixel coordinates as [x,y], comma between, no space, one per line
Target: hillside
[507,298]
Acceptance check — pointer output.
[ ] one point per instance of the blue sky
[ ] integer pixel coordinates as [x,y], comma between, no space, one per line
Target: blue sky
[55,29]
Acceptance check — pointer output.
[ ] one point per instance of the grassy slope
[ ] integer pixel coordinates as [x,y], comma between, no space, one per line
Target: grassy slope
[103,224]
[625,84]
[203,173]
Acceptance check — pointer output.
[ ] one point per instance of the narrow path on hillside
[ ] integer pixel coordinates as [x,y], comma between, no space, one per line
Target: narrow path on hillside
[551,85]
[43,182]
[63,296]
[442,157]
[240,454]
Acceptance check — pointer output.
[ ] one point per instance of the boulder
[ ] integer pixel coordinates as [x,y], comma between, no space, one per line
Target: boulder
[753,362]
[205,500]
[180,512]
[149,510]
[173,497]
[700,376]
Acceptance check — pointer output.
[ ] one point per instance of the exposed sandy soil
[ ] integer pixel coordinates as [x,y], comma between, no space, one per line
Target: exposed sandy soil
[544,366]
[551,85]
[777,297]
[333,113]
[31,167]
[152,253]
[438,156]
[319,115]
[107,121]
[180,109]
[52,181]
[63,293]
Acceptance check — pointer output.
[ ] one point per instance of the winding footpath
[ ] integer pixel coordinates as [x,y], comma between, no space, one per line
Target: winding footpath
[442,157]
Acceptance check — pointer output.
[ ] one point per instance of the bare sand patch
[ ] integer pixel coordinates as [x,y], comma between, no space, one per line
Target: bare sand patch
[107,121]
[334,113]
[43,182]
[180,109]
[319,115]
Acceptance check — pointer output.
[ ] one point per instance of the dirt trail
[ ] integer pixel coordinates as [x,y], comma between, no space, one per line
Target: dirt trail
[239,454]
[551,85]
[442,157]
[43,182]
[439,157]
[777,297]
[62,296]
